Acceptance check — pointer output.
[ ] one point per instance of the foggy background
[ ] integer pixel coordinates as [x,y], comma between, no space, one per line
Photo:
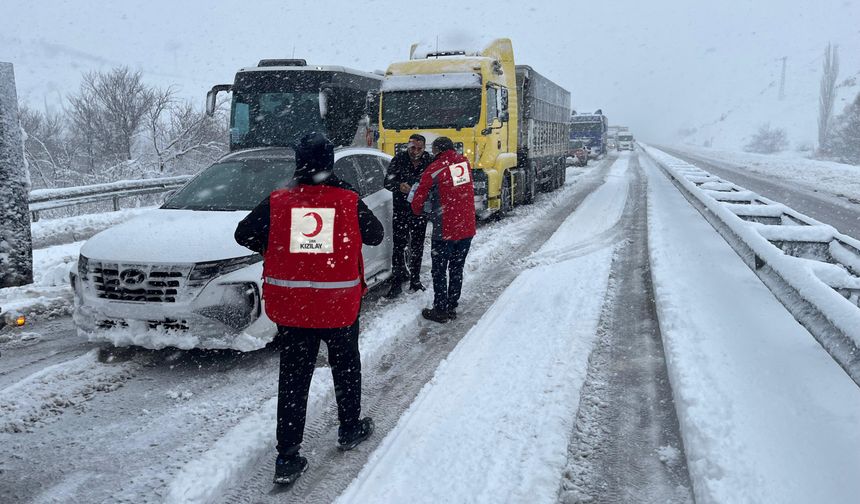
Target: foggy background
[655,66]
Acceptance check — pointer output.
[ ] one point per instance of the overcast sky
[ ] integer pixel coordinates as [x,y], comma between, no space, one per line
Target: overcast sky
[654,65]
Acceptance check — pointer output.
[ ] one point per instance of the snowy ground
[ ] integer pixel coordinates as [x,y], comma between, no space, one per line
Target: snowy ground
[766,414]
[841,180]
[503,405]
[494,421]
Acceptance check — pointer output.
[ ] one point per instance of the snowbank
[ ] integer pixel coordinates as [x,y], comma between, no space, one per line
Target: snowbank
[766,415]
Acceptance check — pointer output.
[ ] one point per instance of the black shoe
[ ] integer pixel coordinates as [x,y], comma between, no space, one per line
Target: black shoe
[394,291]
[452,314]
[416,286]
[435,315]
[288,470]
[349,439]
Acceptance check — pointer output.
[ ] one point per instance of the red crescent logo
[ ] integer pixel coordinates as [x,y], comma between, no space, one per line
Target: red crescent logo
[462,170]
[319,223]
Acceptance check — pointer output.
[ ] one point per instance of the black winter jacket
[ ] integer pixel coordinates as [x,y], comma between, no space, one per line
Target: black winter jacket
[401,170]
[253,231]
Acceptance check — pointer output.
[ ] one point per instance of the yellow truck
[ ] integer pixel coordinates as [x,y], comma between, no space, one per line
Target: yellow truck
[510,121]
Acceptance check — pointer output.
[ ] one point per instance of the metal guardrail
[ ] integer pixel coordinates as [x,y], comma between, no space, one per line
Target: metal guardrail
[813,270]
[48,199]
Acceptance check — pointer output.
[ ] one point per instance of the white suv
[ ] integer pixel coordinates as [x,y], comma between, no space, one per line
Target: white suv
[175,277]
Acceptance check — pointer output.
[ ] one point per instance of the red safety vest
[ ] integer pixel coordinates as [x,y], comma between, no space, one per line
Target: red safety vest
[313,271]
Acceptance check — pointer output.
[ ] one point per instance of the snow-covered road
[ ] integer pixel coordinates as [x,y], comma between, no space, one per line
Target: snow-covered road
[551,386]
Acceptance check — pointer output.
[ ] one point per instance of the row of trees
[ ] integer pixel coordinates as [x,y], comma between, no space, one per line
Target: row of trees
[117,127]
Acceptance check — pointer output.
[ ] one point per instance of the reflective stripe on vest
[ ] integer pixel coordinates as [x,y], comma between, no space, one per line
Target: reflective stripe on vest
[307,284]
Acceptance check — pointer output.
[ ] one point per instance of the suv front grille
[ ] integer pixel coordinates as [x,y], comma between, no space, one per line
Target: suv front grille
[150,283]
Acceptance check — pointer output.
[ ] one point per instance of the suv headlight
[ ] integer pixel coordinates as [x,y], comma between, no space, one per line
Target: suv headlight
[205,271]
[83,268]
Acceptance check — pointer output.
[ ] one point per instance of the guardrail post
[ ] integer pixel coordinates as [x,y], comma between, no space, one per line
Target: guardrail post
[16,245]
[115,203]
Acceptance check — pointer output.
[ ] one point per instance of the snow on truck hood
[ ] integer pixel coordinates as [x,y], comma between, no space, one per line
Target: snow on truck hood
[169,236]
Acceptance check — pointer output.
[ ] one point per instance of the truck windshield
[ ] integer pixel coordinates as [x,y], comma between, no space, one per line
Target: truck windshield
[233,185]
[431,108]
[625,138]
[585,129]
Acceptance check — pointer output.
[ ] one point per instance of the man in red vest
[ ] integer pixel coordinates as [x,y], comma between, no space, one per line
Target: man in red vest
[310,235]
[446,186]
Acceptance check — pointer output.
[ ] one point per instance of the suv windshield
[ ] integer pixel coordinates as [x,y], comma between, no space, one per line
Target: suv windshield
[431,108]
[233,185]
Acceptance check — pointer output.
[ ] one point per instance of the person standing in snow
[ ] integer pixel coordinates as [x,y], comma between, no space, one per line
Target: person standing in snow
[409,229]
[447,185]
[310,235]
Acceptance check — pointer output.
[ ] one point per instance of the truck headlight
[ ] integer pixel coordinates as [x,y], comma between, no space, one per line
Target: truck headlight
[205,271]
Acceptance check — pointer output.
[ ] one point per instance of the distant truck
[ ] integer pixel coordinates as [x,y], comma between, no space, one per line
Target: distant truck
[591,130]
[279,100]
[625,141]
[508,120]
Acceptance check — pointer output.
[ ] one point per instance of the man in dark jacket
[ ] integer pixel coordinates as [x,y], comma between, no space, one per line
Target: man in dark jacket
[447,185]
[318,221]
[409,229]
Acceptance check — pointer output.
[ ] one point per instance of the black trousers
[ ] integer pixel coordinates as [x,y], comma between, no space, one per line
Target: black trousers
[448,258]
[299,348]
[409,230]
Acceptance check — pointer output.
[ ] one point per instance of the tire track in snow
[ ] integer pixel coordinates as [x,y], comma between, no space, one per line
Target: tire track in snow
[626,444]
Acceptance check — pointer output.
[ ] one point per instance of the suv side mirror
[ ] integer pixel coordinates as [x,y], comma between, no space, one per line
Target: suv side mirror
[212,95]
[505,116]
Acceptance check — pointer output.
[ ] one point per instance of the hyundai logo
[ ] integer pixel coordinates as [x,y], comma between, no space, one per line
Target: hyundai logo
[132,276]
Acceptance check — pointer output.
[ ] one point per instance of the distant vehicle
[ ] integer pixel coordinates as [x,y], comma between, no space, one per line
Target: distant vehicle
[591,130]
[278,101]
[176,277]
[611,143]
[508,120]
[625,141]
[579,152]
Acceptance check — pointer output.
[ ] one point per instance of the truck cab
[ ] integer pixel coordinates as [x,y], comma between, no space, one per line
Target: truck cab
[278,101]
[467,97]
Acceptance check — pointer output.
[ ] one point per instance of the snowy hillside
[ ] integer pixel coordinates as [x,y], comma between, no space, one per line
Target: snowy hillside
[797,112]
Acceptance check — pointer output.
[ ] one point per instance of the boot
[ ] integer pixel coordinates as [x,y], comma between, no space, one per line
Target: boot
[349,438]
[395,290]
[452,314]
[416,285]
[288,469]
[435,315]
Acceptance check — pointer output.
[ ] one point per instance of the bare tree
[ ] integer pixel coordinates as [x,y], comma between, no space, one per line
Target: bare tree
[109,110]
[178,130]
[767,140]
[827,95]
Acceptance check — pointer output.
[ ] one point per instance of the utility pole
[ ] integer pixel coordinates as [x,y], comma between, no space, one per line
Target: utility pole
[16,245]
[782,80]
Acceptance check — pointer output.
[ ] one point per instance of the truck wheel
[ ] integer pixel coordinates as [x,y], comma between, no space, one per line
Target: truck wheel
[505,205]
[531,184]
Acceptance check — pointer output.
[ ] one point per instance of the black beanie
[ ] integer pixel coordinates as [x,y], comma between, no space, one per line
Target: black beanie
[314,155]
